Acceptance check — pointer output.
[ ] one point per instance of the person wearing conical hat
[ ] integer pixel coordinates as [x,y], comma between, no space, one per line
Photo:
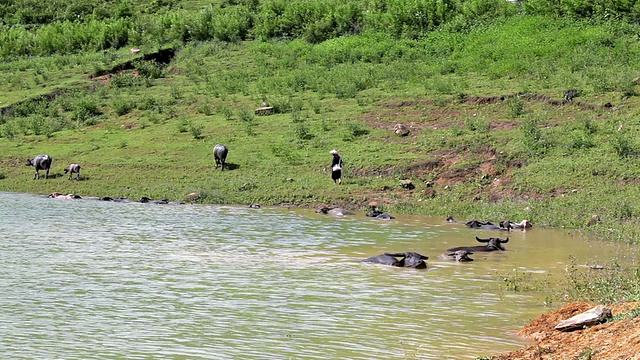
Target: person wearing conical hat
[336,167]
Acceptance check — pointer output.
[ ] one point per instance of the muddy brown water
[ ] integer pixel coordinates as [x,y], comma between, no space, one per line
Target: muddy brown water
[86,279]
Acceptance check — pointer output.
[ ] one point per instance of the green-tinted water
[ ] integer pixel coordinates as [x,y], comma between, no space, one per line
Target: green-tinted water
[100,280]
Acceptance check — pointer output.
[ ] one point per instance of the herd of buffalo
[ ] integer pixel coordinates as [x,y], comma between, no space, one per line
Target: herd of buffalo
[43,162]
[459,254]
[402,259]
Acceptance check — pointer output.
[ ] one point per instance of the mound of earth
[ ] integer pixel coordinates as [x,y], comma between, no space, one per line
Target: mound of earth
[613,340]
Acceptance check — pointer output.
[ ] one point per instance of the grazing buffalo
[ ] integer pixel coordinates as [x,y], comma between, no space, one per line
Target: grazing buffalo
[570,94]
[40,162]
[73,169]
[220,155]
[407,259]
[493,244]
[335,211]
[458,256]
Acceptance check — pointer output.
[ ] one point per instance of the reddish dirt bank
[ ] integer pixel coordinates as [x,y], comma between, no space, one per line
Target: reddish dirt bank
[614,340]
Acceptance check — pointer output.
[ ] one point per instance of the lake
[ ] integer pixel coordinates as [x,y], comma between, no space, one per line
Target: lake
[86,279]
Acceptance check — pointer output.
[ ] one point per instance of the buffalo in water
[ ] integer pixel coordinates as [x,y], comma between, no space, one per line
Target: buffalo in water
[40,162]
[405,259]
[377,214]
[492,244]
[487,225]
[220,155]
[458,256]
[334,211]
[524,224]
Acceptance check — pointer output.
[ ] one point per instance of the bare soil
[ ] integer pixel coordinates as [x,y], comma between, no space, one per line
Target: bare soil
[613,340]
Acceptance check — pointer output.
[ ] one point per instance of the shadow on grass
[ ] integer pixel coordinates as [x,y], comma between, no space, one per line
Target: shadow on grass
[229,167]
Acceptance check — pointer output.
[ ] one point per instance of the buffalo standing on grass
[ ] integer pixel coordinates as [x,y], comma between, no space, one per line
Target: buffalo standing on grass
[73,169]
[40,162]
[220,155]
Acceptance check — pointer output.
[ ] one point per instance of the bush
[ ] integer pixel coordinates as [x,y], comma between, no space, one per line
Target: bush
[121,106]
[353,130]
[149,69]
[623,145]
[196,130]
[531,135]
[85,112]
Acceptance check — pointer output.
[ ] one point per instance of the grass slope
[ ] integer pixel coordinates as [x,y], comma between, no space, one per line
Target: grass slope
[490,135]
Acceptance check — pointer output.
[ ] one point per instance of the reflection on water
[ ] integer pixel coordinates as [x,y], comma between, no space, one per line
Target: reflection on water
[97,280]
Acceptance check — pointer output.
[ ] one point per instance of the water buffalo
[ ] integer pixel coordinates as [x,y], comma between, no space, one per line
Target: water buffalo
[570,94]
[377,214]
[524,224]
[487,225]
[40,162]
[335,211]
[57,195]
[220,155]
[458,256]
[73,169]
[493,244]
[407,259]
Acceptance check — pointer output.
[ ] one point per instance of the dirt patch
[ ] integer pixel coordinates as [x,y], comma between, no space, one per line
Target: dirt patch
[614,340]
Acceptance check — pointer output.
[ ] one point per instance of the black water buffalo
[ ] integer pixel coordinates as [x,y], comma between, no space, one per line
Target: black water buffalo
[486,225]
[335,211]
[458,256]
[73,169]
[406,259]
[377,214]
[493,244]
[220,155]
[40,162]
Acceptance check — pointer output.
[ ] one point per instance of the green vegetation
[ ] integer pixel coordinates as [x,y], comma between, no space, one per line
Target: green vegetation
[478,82]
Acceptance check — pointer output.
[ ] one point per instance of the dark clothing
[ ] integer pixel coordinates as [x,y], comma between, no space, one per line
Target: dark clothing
[336,168]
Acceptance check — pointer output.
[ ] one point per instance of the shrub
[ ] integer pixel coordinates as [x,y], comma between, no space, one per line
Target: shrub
[183,125]
[123,80]
[531,135]
[477,124]
[353,130]
[149,69]
[516,107]
[623,145]
[85,112]
[301,132]
[121,106]
[196,130]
